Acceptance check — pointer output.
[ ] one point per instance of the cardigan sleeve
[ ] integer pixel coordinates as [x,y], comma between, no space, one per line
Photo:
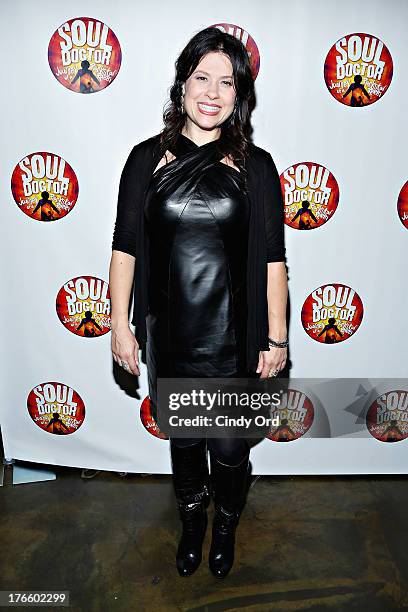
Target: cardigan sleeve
[273,211]
[125,230]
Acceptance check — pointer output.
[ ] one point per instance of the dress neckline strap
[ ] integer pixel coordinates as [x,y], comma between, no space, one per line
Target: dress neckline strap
[190,142]
[185,145]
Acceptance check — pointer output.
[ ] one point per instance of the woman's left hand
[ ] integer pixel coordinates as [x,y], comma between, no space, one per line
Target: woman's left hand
[274,359]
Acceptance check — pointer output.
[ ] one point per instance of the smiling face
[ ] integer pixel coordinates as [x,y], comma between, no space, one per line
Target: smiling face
[209,92]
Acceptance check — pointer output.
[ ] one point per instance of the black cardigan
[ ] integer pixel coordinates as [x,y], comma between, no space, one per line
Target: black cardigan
[265,238]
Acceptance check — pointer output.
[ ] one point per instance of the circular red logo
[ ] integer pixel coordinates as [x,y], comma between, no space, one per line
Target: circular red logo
[296,415]
[248,42]
[56,408]
[148,421]
[83,306]
[402,205]
[387,417]
[332,313]
[84,55]
[358,69]
[44,186]
[311,195]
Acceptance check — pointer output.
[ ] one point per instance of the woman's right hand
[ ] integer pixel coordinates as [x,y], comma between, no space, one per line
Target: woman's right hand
[125,348]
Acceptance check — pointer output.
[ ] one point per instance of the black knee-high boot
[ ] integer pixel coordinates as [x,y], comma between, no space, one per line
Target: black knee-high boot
[230,485]
[192,488]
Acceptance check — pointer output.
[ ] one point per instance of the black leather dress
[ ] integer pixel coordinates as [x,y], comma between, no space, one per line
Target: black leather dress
[197,217]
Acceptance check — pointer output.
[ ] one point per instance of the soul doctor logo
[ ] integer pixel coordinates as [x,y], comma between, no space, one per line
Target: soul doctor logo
[402,205]
[311,195]
[387,417]
[44,186]
[83,306]
[148,420]
[56,408]
[358,69]
[84,55]
[248,42]
[296,415]
[332,313]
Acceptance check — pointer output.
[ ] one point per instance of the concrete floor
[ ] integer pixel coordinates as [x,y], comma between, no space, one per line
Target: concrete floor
[303,543]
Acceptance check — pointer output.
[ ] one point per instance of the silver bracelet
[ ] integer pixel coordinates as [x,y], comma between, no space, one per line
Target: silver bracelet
[280,344]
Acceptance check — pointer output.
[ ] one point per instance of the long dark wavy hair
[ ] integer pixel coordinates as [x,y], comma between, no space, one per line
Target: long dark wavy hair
[236,131]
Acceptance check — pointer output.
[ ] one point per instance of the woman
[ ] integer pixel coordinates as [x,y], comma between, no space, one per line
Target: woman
[199,230]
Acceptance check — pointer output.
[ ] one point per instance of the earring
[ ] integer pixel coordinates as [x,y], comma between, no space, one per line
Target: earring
[182,99]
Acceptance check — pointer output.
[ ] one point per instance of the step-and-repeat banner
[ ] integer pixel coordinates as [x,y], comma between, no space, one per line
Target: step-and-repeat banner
[331,91]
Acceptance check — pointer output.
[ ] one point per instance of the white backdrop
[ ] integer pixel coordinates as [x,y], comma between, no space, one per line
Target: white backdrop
[364,245]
